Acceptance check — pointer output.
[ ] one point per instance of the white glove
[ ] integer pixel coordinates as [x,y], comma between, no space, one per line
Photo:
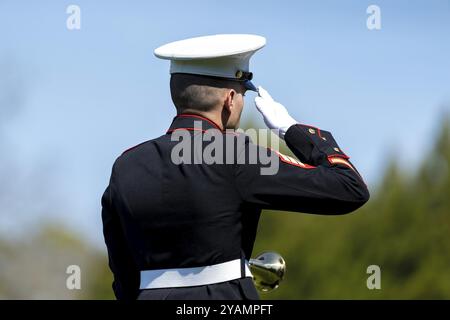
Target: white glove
[275,114]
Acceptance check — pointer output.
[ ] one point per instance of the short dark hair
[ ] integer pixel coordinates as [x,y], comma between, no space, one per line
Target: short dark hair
[198,92]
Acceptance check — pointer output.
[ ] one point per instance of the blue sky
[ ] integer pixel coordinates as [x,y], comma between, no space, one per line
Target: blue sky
[91,93]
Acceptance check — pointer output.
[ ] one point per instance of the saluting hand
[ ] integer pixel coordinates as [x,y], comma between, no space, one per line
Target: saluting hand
[275,114]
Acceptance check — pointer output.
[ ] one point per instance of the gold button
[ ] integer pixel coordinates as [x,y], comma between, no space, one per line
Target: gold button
[312,131]
[336,149]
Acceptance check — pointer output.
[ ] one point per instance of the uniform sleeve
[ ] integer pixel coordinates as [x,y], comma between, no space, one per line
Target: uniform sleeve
[321,181]
[121,263]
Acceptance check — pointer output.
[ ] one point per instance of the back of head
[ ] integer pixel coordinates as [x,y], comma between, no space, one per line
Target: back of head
[196,92]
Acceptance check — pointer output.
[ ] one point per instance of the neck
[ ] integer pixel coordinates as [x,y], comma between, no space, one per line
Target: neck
[210,115]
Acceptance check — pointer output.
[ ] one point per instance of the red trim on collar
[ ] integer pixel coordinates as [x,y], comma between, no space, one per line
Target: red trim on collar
[189,129]
[189,115]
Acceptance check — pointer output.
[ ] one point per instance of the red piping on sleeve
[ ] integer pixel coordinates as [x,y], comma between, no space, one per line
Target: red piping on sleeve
[343,155]
[292,161]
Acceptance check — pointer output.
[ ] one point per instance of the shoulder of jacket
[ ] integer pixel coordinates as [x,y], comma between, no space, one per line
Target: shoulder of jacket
[134,147]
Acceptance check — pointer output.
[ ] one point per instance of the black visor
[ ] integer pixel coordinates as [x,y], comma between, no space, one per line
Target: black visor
[250,86]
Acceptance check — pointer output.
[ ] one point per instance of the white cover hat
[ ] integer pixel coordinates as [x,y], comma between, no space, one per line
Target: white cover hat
[223,55]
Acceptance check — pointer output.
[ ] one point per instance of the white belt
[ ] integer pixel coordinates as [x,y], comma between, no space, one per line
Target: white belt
[199,276]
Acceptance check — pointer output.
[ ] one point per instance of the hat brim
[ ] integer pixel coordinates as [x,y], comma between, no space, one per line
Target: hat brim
[250,86]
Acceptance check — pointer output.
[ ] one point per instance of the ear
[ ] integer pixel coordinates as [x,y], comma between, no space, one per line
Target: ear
[229,100]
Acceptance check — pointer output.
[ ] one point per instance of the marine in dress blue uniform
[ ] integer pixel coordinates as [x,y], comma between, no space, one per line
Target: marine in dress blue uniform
[186,231]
